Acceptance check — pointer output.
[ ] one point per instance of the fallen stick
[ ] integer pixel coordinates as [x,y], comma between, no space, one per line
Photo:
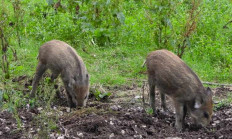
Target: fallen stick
[226,25]
[218,84]
[209,83]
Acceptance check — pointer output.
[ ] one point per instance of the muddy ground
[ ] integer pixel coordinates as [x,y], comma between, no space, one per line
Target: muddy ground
[122,116]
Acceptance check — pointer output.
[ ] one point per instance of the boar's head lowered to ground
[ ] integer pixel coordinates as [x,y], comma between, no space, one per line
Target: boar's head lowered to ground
[63,60]
[174,78]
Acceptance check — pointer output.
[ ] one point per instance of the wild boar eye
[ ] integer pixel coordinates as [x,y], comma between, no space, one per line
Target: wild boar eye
[206,115]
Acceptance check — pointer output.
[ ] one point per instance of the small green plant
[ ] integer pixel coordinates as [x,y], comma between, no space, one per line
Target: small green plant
[46,122]
[12,99]
[32,102]
[102,96]
[47,80]
[5,96]
[220,105]
[223,103]
[149,111]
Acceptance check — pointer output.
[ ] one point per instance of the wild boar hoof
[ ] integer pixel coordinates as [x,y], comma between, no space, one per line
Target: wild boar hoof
[155,112]
[179,128]
[167,112]
[72,105]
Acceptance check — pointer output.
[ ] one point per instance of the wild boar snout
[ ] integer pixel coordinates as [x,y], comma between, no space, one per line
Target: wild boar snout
[81,94]
[81,102]
[201,117]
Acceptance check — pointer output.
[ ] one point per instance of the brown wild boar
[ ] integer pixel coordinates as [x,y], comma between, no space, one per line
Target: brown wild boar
[62,59]
[175,79]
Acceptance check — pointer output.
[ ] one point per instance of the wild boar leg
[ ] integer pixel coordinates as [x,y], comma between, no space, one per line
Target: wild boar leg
[53,77]
[69,99]
[152,96]
[180,114]
[41,68]
[163,101]
[185,112]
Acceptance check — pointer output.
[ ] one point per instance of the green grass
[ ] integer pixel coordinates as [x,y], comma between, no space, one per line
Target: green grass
[108,66]
[114,65]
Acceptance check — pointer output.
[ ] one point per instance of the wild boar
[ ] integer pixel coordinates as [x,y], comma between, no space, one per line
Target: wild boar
[62,59]
[176,80]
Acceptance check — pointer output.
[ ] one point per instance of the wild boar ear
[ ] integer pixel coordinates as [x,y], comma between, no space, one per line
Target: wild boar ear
[71,83]
[197,104]
[209,91]
[75,78]
[87,77]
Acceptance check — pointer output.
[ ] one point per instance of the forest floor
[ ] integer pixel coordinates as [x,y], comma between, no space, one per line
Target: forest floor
[123,115]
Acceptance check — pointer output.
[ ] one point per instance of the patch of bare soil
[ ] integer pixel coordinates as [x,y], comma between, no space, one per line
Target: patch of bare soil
[8,128]
[134,122]
[118,121]
[222,91]
[122,117]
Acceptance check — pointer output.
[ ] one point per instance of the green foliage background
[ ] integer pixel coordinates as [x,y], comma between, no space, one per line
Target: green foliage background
[114,36]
